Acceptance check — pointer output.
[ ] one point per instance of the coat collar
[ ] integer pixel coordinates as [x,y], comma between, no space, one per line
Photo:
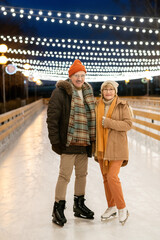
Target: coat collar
[65,85]
[120,101]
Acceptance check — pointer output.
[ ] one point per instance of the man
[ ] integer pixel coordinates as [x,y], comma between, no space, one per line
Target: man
[71,126]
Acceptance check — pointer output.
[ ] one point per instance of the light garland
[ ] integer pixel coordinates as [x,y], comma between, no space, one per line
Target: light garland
[61,17]
[74,43]
[68,15]
[106,61]
[98,67]
[43,75]
[62,73]
[90,55]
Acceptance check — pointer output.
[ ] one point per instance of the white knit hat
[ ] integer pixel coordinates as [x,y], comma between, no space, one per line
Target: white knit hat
[113,83]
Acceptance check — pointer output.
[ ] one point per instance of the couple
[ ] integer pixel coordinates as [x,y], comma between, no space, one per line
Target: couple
[77,130]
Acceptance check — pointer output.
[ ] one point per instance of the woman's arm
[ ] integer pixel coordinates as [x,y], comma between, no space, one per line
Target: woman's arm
[120,125]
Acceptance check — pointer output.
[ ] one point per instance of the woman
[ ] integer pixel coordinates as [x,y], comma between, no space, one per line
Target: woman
[113,121]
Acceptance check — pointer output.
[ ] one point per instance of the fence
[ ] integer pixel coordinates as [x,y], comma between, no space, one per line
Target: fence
[146,112]
[13,121]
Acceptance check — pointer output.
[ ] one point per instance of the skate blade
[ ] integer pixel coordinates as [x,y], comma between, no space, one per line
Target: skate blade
[112,216]
[82,216]
[57,222]
[123,222]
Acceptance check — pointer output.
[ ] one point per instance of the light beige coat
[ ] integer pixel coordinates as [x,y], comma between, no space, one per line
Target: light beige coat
[118,125]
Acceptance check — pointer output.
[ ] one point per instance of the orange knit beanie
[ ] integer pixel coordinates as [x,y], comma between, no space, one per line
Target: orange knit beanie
[76,67]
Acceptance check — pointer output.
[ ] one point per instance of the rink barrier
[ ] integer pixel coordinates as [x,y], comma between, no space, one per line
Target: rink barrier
[147,118]
[146,127]
[46,101]
[12,121]
[148,103]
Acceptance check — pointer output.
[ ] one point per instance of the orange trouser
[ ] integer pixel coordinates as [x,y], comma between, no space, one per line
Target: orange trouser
[112,184]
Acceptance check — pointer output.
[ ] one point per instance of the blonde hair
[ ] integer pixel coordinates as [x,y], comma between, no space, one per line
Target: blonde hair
[105,85]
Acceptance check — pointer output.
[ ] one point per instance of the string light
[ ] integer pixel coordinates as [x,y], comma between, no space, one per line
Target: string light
[47,65]
[40,13]
[94,54]
[62,17]
[105,18]
[68,15]
[88,15]
[141,20]
[151,20]
[45,70]
[49,13]
[76,44]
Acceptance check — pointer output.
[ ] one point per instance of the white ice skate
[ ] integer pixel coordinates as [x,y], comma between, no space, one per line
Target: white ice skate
[109,213]
[123,215]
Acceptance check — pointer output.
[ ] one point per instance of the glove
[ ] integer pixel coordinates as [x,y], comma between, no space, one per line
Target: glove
[103,118]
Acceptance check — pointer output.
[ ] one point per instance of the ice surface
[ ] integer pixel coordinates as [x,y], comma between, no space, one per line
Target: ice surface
[28,175]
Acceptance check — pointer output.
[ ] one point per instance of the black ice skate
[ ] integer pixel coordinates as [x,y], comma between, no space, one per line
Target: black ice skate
[80,209]
[58,213]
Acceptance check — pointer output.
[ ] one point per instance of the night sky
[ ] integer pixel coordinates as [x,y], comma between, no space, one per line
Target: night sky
[96,6]
[57,30]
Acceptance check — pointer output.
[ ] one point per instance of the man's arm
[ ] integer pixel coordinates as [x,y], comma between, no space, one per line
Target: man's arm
[53,119]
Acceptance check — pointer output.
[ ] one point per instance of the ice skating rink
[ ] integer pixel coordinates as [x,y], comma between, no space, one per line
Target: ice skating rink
[28,175]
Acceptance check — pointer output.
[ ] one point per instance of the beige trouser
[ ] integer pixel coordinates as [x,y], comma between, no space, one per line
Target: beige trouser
[68,161]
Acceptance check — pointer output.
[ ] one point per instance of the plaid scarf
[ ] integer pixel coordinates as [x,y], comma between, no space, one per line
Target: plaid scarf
[81,128]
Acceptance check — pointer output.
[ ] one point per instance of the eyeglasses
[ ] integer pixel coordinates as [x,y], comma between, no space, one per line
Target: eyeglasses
[109,89]
[79,76]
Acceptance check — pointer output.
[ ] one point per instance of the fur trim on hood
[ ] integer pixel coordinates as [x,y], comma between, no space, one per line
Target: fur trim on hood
[64,84]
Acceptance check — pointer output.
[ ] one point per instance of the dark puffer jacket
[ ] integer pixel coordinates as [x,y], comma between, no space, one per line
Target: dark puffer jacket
[58,119]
